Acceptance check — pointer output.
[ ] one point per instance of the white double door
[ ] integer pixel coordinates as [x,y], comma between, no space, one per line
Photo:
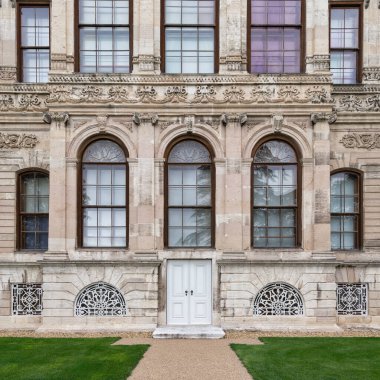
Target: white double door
[189,292]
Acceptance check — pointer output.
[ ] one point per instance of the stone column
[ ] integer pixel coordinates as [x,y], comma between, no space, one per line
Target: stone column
[233,213]
[57,181]
[321,149]
[145,185]
[159,164]
[317,36]
[246,175]
[144,60]
[71,203]
[232,33]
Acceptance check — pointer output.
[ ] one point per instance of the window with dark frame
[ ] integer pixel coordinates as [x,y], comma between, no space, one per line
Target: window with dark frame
[345,43]
[104,208]
[104,36]
[34,43]
[189,36]
[345,211]
[275,36]
[33,206]
[189,196]
[275,196]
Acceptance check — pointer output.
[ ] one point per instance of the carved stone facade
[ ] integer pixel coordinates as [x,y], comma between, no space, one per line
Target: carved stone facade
[45,128]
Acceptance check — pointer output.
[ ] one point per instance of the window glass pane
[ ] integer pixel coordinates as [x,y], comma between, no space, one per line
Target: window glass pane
[88,39]
[189,196]
[189,237]
[173,63]
[206,39]
[337,18]
[175,237]
[119,218]
[104,12]
[121,12]
[87,11]
[351,18]
[121,39]
[175,217]
[189,12]
[175,196]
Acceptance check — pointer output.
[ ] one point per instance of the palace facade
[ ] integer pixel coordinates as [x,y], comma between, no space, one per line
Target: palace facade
[189,163]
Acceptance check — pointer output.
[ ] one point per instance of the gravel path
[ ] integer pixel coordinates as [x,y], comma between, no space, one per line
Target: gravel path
[188,359]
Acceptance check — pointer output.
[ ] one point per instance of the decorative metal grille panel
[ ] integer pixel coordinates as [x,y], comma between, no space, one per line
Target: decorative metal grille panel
[27,299]
[278,299]
[352,299]
[188,152]
[104,151]
[100,299]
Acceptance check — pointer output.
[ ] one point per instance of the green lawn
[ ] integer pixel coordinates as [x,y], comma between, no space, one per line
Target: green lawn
[312,358]
[67,359]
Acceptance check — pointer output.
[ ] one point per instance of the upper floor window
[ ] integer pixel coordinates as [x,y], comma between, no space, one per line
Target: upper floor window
[104,44]
[33,206]
[34,43]
[275,36]
[345,43]
[275,196]
[104,208]
[345,211]
[190,218]
[190,36]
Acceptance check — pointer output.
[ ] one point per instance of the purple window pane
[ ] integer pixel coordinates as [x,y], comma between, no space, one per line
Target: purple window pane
[275,39]
[292,12]
[206,15]
[349,60]
[275,14]
[292,39]
[259,15]
[258,37]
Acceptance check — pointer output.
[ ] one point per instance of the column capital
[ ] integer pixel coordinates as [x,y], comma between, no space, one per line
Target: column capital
[324,116]
[58,118]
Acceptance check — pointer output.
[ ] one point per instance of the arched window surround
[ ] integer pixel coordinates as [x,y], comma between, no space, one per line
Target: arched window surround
[81,152]
[166,189]
[359,175]
[19,174]
[295,147]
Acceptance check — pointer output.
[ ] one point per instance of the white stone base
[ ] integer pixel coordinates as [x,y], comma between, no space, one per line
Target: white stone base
[188,332]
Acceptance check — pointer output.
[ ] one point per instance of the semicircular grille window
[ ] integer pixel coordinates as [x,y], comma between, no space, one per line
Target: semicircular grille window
[100,299]
[278,299]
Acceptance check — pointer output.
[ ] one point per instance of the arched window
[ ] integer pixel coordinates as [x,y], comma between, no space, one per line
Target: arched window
[189,213]
[275,196]
[33,206]
[100,299]
[345,210]
[104,211]
[278,298]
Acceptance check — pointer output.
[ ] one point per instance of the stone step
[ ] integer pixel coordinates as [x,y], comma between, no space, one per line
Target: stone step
[188,332]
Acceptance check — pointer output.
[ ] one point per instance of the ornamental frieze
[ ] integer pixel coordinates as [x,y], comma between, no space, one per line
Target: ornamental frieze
[367,141]
[21,102]
[201,94]
[17,141]
[355,103]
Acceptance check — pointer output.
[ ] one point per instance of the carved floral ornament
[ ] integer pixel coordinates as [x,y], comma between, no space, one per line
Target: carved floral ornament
[367,141]
[17,141]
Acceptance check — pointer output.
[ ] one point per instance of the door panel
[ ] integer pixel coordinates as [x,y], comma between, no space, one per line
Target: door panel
[178,304]
[189,292]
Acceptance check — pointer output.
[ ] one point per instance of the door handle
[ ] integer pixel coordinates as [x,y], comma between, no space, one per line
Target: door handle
[186,292]
[191,292]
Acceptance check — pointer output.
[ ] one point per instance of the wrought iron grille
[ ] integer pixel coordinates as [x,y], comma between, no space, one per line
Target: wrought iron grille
[100,299]
[278,299]
[352,299]
[27,299]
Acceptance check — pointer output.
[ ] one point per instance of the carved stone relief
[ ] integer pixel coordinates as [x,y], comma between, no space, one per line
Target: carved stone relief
[367,141]
[17,141]
[354,103]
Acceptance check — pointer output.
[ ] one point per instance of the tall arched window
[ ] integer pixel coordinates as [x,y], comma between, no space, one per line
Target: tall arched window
[275,196]
[345,210]
[104,208]
[33,206]
[189,212]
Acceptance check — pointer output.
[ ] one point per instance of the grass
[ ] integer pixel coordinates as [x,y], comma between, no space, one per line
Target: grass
[312,358]
[67,359]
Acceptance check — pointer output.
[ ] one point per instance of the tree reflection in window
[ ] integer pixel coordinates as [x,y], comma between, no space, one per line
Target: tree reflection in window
[189,195]
[275,196]
[104,207]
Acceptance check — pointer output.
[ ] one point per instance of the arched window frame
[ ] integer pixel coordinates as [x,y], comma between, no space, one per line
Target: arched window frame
[302,28]
[80,205]
[298,223]
[20,174]
[166,190]
[359,176]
